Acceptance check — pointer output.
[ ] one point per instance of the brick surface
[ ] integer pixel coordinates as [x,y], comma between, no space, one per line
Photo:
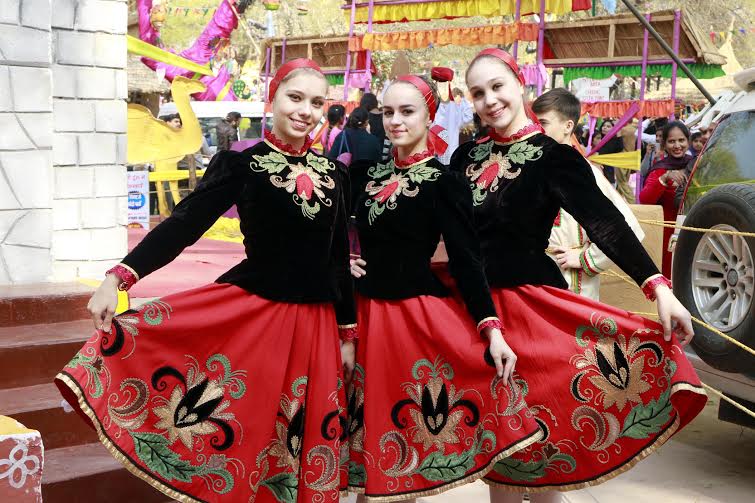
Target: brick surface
[74,48]
[30,175]
[64,81]
[73,182]
[38,128]
[64,11]
[65,149]
[71,244]
[20,44]
[99,212]
[10,13]
[73,115]
[66,214]
[95,83]
[31,88]
[36,14]
[110,50]
[13,136]
[27,264]
[108,244]
[99,148]
[110,180]
[33,229]
[111,117]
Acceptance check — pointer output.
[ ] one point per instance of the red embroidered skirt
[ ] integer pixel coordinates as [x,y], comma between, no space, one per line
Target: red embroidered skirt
[603,384]
[215,394]
[427,413]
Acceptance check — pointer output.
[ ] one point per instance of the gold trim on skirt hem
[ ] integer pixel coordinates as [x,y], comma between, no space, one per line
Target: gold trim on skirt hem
[535,437]
[116,453]
[617,471]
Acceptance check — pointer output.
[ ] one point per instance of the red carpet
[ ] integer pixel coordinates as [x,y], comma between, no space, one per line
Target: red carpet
[198,265]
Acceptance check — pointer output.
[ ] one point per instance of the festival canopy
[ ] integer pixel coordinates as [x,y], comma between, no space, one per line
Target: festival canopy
[601,46]
[394,11]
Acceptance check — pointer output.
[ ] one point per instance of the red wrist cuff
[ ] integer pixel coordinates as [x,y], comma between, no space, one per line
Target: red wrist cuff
[126,276]
[489,323]
[348,333]
[648,287]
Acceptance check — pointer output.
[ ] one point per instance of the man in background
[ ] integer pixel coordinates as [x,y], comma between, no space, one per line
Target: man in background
[228,131]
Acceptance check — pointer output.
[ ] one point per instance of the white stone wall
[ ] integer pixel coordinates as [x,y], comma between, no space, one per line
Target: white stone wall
[62,138]
[26,139]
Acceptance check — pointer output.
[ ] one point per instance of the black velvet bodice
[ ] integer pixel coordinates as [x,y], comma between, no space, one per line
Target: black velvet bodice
[293,218]
[517,190]
[401,213]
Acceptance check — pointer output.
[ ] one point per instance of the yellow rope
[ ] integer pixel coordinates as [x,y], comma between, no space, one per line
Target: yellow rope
[726,398]
[668,224]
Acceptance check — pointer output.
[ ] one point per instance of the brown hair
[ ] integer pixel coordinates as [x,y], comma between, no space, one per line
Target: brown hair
[560,101]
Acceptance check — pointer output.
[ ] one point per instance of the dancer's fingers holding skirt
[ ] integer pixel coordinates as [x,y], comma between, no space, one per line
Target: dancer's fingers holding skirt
[103,302]
[504,357]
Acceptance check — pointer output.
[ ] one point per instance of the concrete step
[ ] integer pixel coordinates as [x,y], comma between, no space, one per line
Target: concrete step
[89,473]
[40,407]
[43,303]
[34,354]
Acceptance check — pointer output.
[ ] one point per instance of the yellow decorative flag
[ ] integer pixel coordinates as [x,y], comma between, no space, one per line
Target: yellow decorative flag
[623,160]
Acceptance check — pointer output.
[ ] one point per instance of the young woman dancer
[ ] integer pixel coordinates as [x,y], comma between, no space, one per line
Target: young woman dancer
[665,178]
[607,387]
[232,391]
[433,404]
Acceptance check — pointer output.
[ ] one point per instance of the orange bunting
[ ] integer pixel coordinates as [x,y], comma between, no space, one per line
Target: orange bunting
[613,109]
[476,35]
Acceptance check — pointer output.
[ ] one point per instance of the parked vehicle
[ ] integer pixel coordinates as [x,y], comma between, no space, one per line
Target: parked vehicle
[713,273]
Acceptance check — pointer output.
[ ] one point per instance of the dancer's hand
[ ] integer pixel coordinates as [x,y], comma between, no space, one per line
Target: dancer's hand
[674,316]
[568,258]
[501,351]
[348,353]
[357,267]
[103,303]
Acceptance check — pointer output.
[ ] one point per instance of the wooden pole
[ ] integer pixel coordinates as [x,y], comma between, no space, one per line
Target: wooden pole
[192,171]
[643,79]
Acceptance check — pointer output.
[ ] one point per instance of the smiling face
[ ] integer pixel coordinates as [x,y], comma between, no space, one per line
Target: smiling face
[298,105]
[405,117]
[676,143]
[496,94]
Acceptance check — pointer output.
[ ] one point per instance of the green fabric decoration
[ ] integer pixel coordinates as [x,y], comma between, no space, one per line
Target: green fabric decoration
[699,70]
[334,79]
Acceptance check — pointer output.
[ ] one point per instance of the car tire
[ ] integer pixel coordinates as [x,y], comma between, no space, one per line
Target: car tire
[731,205]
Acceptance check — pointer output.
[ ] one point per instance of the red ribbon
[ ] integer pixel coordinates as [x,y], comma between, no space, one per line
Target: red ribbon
[287,68]
[424,90]
[504,56]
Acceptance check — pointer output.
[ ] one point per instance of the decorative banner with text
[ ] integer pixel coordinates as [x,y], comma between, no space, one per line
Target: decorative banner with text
[138,199]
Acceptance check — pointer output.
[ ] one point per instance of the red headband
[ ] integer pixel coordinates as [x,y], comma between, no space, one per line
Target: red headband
[424,90]
[504,56]
[284,70]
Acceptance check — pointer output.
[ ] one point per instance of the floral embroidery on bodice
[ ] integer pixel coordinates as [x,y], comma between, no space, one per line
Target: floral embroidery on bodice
[305,180]
[390,182]
[490,167]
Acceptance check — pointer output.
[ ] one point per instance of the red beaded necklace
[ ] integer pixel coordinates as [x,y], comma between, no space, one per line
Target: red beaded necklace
[412,159]
[526,130]
[286,147]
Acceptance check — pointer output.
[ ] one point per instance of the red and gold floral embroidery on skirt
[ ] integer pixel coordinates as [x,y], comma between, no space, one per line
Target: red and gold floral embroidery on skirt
[215,394]
[605,387]
[426,409]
